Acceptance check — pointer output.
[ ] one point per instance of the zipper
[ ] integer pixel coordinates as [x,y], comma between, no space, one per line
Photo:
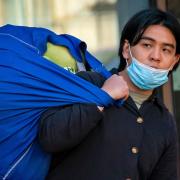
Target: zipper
[16,163]
[20,40]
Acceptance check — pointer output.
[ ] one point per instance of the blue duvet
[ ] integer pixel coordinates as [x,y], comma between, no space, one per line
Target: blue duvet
[29,84]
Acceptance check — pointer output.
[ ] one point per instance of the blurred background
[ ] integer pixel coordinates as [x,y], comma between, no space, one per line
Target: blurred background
[97,22]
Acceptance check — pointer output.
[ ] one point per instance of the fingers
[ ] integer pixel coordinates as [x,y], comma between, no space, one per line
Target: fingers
[116,87]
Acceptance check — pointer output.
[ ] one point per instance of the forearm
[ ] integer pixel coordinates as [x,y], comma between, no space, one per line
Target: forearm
[64,128]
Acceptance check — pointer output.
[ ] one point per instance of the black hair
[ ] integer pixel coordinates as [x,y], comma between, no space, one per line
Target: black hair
[137,24]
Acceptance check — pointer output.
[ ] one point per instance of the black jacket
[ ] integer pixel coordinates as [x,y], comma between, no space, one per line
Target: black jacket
[118,144]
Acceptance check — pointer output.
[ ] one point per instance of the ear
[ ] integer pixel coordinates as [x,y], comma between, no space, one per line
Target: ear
[177,58]
[125,51]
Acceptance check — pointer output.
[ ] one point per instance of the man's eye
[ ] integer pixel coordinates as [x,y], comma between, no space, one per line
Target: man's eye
[167,50]
[147,45]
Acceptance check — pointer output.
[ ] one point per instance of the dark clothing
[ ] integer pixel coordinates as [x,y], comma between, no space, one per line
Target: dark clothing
[113,145]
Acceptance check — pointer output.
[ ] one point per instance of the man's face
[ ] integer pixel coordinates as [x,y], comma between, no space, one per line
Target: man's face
[156,48]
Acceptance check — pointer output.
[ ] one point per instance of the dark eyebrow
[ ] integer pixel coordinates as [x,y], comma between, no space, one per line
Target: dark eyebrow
[151,39]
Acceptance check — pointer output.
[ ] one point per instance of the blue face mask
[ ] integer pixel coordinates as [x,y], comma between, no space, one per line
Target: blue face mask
[146,77]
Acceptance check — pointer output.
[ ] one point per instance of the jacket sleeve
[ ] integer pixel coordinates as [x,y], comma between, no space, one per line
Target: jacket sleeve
[62,128]
[167,166]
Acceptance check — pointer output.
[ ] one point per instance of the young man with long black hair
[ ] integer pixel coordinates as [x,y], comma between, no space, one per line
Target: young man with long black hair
[136,141]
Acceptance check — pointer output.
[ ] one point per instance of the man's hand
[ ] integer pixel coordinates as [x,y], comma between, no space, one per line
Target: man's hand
[116,87]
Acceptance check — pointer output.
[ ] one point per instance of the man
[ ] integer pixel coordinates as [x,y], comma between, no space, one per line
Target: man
[135,141]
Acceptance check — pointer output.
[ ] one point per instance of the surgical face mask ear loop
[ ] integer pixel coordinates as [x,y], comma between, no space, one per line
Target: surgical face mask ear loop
[127,64]
[130,51]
